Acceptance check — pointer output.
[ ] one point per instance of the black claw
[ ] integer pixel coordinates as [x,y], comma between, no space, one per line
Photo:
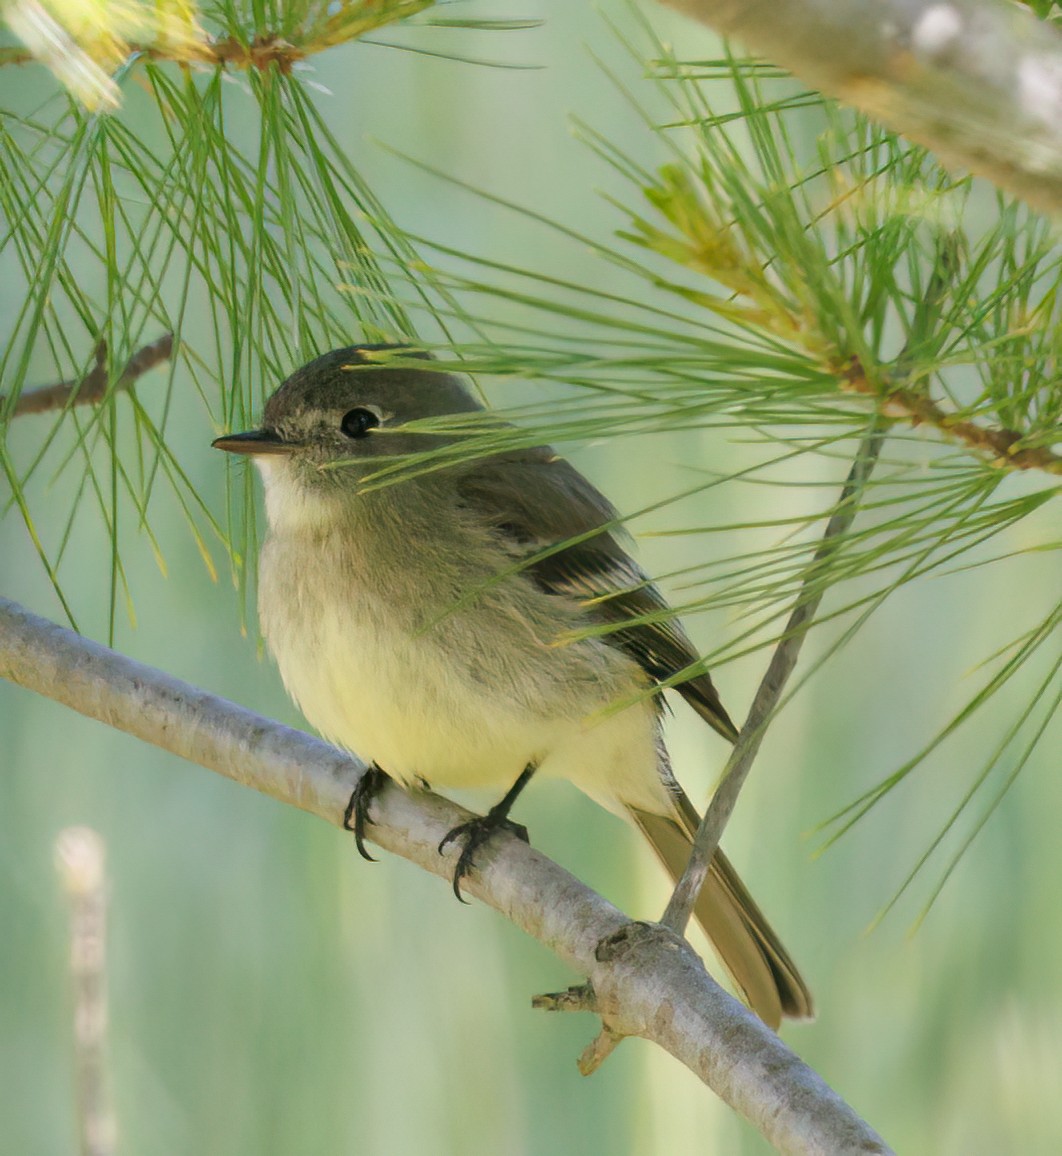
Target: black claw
[356,815]
[475,833]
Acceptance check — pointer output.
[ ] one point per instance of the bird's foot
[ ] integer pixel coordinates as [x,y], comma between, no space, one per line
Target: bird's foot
[475,833]
[356,816]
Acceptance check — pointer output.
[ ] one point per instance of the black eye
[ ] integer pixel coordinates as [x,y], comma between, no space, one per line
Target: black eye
[356,423]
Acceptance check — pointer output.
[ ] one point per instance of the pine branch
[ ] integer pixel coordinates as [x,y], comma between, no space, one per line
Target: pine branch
[917,408]
[977,81]
[645,981]
[83,52]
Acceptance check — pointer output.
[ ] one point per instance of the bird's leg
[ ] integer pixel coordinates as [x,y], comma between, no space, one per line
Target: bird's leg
[357,813]
[478,831]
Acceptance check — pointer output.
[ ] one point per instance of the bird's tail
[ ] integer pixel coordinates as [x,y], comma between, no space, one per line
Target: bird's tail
[742,937]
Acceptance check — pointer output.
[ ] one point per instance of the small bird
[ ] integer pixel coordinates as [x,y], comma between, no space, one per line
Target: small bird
[437,625]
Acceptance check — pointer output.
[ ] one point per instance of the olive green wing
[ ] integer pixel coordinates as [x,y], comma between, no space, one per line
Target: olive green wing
[569,533]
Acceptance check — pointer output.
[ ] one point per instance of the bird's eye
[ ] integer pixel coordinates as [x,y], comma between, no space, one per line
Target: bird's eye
[356,423]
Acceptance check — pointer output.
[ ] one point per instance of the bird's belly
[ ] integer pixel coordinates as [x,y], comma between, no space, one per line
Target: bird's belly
[391,696]
[464,697]
[398,705]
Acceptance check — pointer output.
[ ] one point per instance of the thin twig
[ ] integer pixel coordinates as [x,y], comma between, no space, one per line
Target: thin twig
[783,661]
[804,610]
[645,980]
[90,389]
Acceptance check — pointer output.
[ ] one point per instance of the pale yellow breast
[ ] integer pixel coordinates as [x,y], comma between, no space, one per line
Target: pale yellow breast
[380,662]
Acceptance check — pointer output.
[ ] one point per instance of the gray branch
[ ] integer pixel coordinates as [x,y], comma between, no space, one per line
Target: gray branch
[769,694]
[645,980]
[977,81]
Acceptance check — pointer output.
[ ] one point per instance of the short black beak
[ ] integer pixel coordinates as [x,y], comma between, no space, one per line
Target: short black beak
[255,441]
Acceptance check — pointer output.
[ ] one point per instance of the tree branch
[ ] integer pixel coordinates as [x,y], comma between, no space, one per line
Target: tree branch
[91,388]
[645,980]
[977,81]
[916,408]
[185,42]
[783,661]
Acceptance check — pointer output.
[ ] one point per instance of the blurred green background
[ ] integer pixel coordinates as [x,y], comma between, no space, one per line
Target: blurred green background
[272,993]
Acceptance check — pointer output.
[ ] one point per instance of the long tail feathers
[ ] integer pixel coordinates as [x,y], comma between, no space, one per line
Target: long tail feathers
[744,940]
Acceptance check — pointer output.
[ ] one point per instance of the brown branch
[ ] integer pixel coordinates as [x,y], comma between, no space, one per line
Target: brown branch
[9,55]
[91,389]
[259,53]
[915,408]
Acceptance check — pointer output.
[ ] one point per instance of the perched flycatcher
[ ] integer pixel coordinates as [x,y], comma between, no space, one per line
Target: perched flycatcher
[436,626]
